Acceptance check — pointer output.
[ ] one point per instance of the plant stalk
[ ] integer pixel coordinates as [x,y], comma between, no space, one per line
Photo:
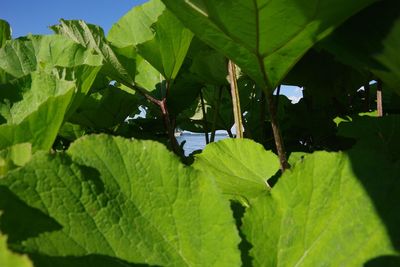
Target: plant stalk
[277,133]
[169,127]
[379,104]
[237,113]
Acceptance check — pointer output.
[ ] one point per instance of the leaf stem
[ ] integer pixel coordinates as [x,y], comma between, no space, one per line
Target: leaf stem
[162,104]
[277,133]
[235,99]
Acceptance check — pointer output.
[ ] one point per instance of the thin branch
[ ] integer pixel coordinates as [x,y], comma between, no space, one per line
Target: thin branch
[235,99]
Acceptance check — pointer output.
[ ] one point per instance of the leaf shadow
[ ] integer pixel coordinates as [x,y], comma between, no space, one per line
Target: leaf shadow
[81,261]
[387,261]
[20,221]
[380,178]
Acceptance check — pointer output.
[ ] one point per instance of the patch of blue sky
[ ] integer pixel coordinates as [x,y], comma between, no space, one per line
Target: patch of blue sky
[27,16]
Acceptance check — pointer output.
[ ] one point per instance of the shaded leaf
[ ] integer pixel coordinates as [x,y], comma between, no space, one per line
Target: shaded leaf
[372,44]
[5,32]
[378,134]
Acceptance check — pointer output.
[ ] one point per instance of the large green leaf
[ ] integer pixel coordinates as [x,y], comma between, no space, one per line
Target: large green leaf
[119,64]
[10,259]
[22,56]
[167,50]
[5,32]
[265,38]
[331,209]
[241,168]
[371,44]
[159,36]
[135,27]
[126,199]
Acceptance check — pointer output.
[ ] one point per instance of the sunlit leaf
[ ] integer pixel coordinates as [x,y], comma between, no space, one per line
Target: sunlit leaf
[126,199]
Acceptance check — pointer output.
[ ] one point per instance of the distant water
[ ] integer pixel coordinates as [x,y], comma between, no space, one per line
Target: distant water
[195,141]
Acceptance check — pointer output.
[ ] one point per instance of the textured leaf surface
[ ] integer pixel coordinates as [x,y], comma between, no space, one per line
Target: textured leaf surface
[22,56]
[10,259]
[130,200]
[121,67]
[332,209]
[265,38]
[240,167]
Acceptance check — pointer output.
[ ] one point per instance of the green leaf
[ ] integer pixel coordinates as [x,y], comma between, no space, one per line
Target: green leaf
[126,199]
[147,76]
[135,26]
[159,36]
[241,168]
[167,50]
[331,209]
[22,56]
[10,259]
[5,32]
[119,64]
[37,117]
[265,38]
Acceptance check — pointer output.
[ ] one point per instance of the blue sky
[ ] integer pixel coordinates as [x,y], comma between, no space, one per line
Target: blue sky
[34,16]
